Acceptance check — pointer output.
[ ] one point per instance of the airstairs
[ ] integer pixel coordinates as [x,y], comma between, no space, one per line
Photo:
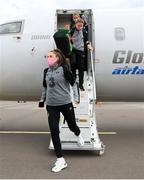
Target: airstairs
[85,117]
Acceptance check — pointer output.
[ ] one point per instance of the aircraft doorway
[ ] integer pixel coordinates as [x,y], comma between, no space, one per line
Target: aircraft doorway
[64,20]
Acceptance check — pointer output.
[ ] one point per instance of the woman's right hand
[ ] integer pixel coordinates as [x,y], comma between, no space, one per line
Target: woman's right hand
[41,104]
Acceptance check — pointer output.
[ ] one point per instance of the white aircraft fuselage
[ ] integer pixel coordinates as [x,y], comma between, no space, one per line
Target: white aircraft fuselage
[117,38]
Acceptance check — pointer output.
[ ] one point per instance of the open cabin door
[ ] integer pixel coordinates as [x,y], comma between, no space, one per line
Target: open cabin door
[64,18]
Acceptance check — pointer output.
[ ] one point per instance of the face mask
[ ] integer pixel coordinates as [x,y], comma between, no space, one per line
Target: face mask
[51,62]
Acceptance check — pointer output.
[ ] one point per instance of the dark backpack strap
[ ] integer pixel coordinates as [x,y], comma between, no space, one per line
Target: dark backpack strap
[68,75]
[44,77]
[85,35]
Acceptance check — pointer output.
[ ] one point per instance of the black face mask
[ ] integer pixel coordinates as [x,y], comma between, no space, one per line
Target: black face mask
[51,82]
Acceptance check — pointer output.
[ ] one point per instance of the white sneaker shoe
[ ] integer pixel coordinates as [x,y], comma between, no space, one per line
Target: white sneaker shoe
[80,140]
[59,165]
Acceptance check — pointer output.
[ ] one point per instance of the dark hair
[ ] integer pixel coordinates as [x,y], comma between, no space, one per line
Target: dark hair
[62,59]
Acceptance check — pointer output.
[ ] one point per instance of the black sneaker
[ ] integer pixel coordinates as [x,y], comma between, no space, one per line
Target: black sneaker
[81,88]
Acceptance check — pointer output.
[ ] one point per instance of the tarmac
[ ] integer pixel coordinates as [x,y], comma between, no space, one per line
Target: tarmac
[25,136]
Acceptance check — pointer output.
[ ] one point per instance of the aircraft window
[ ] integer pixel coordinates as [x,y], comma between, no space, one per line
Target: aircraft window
[14,27]
[119,34]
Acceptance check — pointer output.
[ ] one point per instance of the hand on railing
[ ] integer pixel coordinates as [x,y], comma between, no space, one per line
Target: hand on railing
[89,46]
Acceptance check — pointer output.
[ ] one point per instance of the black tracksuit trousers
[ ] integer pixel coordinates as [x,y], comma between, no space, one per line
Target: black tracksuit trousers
[53,119]
[77,62]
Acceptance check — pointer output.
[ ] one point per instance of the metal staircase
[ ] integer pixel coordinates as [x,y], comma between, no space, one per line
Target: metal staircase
[85,117]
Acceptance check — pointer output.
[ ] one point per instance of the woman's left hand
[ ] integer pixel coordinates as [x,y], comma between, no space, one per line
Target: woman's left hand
[89,46]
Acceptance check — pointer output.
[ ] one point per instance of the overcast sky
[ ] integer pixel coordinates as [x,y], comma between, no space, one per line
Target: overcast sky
[15,8]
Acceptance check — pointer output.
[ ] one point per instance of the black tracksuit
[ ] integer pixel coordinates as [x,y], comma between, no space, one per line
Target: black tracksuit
[56,93]
[79,52]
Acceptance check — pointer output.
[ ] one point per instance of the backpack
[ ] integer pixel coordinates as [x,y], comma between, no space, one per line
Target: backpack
[62,40]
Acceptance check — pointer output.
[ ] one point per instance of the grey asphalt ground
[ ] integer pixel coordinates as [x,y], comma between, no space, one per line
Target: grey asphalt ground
[26,156]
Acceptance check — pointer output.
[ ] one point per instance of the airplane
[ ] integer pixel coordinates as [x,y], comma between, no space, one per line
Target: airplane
[117,38]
